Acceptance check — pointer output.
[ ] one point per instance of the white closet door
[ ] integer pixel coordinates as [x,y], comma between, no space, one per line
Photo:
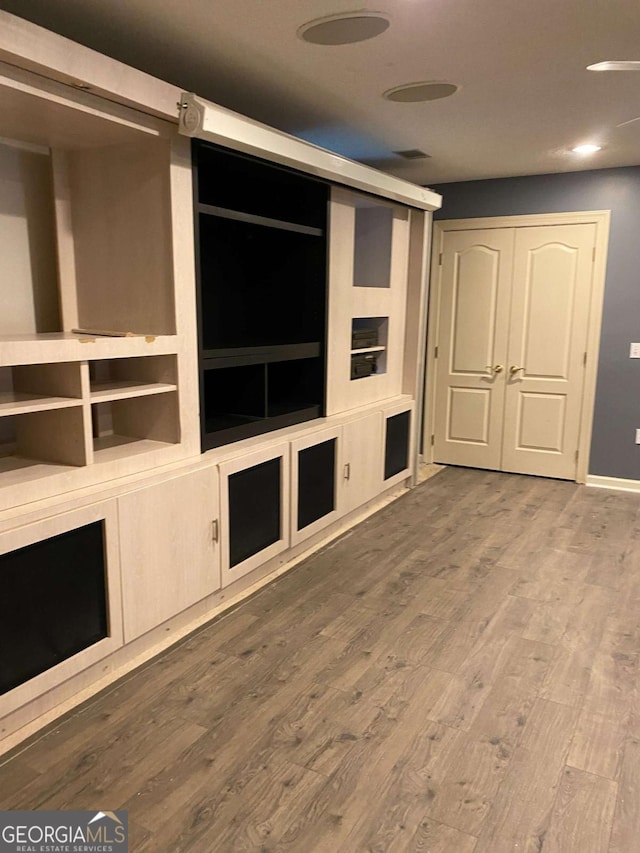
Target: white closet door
[552,282]
[473,330]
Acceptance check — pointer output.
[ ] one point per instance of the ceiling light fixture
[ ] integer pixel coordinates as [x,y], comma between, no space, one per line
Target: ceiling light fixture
[348,28]
[615,65]
[589,148]
[413,93]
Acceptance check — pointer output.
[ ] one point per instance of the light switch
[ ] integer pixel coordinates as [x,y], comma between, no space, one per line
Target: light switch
[634,351]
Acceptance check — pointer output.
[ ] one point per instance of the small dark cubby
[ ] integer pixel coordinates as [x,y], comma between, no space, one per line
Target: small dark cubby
[396,450]
[233,396]
[261,248]
[53,602]
[295,385]
[316,482]
[254,510]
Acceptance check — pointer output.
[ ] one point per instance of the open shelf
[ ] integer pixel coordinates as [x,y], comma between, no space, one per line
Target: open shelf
[231,356]
[367,349]
[379,327]
[265,221]
[129,426]
[124,378]
[244,184]
[110,448]
[15,403]
[246,400]
[53,436]
[18,470]
[102,392]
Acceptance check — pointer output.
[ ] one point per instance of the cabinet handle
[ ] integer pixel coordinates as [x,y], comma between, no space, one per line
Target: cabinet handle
[214,530]
[347,471]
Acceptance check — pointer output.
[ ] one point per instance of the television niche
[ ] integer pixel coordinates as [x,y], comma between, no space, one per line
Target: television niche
[53,603]
[261,251]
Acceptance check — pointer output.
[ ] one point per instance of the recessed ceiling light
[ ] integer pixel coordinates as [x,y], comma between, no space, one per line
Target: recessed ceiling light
[412,93]
[615,65]
[586,149]
[347,28]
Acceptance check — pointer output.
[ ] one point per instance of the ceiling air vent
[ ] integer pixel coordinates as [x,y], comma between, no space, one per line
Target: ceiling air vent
[413,154]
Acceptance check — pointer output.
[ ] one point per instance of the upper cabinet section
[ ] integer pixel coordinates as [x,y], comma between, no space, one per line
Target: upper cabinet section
[246,185]
[85,213]
[368,268]
[97,290]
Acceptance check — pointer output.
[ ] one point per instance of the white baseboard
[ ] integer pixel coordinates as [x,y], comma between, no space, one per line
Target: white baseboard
[616,483]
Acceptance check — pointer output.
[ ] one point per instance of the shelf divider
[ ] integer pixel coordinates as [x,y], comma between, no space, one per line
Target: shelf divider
[103,392]
[253,219]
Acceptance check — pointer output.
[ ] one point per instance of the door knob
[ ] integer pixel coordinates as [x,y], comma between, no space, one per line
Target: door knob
[513,369]
[495,368]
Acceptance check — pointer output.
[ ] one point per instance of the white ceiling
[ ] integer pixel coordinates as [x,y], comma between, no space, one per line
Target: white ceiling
[525,97]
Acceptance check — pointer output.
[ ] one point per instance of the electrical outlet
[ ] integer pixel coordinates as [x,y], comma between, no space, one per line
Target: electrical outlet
[634,351]
[638,436]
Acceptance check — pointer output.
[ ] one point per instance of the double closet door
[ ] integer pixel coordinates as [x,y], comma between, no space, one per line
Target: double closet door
[512,334]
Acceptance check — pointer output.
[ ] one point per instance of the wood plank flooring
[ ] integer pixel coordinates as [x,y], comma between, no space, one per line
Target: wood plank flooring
[459,674]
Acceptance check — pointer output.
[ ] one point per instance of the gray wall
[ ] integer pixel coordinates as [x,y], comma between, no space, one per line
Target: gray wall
[617,408]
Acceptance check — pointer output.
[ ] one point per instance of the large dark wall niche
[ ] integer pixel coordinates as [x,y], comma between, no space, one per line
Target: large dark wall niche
[53,603]
[254,510]
[316,482]
[261,249]
[396,449]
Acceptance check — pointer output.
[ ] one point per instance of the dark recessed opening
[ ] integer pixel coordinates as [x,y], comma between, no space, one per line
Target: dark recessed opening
[53,603]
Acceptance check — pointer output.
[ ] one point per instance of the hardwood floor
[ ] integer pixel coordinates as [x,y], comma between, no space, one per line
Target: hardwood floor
[459,674]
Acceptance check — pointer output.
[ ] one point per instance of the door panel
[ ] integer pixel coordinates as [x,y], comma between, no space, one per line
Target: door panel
[468,415]
[169,558]
[547,340]
[472,339]
[541,422]
[362,460]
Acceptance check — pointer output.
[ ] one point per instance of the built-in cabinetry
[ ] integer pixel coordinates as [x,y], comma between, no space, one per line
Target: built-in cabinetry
[91,364]
[261,241]
[180,417]
[367,293]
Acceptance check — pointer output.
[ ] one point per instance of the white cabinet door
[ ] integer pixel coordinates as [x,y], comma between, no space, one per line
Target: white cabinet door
[362,460]
[169,557]
[316,482]
[254,510]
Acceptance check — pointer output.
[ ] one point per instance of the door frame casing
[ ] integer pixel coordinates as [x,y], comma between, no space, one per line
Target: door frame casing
[601,219]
